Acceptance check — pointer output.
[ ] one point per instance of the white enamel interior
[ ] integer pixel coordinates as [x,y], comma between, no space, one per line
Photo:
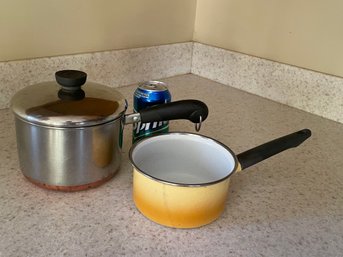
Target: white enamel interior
[183,158]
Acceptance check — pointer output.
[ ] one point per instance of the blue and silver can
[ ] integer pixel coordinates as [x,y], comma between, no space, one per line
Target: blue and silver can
[147,94]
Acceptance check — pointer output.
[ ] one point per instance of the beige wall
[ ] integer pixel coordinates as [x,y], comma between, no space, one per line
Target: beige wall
[37,28]
[305,33]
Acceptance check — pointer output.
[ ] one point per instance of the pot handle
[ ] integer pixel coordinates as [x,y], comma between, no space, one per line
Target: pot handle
[193,110]
[264,151]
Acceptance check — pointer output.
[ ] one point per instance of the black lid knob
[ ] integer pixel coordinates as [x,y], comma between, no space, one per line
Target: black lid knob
[71,82]
[71,78]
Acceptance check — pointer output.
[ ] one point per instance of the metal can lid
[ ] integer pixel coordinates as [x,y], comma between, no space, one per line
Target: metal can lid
[153,85]
[62,103]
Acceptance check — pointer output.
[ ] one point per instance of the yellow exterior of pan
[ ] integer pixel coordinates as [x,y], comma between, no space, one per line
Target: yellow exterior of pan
[179,206]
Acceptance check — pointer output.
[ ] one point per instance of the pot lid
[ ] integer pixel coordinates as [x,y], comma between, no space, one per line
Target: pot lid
[69,101]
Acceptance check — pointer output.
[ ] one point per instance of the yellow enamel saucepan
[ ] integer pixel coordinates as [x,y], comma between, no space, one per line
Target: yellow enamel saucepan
[181,180]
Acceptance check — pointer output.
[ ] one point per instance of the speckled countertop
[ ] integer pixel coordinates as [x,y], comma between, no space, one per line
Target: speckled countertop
[289,205]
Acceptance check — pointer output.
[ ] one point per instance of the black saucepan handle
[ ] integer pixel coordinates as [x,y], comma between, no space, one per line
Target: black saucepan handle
[183,109]
[262,152]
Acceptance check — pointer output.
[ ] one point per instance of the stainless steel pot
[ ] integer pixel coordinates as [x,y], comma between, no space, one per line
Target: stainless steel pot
[70,138]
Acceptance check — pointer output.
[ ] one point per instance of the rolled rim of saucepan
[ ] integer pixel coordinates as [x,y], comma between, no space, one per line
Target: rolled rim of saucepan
[154,137]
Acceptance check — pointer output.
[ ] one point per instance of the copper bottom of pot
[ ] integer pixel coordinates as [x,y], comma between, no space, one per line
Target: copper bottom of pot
[71,188]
